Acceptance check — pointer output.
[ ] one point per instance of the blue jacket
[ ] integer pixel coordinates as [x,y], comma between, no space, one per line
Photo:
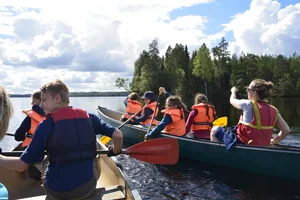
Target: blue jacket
[20,133]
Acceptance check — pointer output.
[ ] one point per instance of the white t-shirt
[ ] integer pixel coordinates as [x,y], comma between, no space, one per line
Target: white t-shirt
[246,106]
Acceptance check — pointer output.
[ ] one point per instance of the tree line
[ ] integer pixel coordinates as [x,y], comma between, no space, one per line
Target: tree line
[211,72]
[82,94]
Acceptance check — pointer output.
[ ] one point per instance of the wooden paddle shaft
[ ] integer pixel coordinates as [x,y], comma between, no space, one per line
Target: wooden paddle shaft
[129,119]
[19,153]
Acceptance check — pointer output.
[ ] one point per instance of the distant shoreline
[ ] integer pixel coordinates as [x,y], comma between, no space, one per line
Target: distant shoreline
[80,94]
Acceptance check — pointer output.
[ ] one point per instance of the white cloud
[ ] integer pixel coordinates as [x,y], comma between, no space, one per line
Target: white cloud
[266,28]
[88,44]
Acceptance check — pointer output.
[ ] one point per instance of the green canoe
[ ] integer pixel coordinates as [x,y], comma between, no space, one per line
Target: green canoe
[276,160]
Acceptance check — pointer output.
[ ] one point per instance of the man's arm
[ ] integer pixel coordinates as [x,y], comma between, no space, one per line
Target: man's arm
[103,128]
[147,113]
[34,152]
[233,100]
[190,120]
[125,102]
[100,127]
[14,163]
[117,138]
[22,130]
[162,124]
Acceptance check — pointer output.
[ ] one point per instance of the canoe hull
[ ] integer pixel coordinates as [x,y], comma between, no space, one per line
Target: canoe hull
[281,161]
[112,184]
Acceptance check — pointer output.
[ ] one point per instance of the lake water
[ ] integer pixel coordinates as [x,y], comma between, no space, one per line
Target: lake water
[190,179]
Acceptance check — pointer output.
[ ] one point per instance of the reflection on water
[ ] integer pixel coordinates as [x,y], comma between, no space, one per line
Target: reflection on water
[190,179]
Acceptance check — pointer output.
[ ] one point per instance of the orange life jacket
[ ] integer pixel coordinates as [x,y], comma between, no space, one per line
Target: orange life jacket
[133,107]
[148,120]
[259,131]
[35,120]
[202,121]
[177,127]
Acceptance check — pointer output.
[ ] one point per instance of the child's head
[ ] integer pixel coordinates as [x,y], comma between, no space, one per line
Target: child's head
[259,89]
[149,97]
[175,103]
[200,98]
[54,95]
[36,98]
[6,111]
[133,96]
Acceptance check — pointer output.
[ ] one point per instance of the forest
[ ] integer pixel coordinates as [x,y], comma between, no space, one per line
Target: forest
[211,71]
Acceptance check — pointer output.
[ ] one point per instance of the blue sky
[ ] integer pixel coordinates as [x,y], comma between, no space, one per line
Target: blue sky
[220,12]
[90,45]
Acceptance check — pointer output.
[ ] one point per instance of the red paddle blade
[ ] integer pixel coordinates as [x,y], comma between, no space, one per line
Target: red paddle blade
[164,151]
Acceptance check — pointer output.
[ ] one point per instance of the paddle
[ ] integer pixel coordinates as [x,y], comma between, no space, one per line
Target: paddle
[152,118]
[105,139]
[163,151]
[221,121]
[10,134]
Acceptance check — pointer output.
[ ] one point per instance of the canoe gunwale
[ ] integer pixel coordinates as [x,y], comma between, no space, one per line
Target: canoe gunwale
[128,182]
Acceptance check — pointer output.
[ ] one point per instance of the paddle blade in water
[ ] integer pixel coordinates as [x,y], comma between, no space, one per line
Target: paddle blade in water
[164,151]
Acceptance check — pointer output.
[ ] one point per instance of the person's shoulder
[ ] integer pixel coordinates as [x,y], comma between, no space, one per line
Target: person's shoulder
[92,115]
[245,101]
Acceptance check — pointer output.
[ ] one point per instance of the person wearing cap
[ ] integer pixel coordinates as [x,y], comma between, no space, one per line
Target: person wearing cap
[148,110]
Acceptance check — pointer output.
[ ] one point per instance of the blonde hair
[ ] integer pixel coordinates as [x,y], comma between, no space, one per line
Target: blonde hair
[57,87]
[6,111]
[261,88]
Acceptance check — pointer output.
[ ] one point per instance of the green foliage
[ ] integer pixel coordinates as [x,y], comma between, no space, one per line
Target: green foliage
[203,65]
[186,75]
[121,83]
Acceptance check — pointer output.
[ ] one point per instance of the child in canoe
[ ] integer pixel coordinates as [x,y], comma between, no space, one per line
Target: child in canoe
[133,107]
[173,121]
[148,110]
[200,119]
[69,136]
[34,116]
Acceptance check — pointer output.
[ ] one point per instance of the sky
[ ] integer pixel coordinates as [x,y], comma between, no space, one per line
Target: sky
[89,44]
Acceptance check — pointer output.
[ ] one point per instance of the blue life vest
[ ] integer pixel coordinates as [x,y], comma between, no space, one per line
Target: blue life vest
[3,192]
[73,138]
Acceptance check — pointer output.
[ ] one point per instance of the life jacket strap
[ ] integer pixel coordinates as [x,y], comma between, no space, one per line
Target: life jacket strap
[29,135]
[203,123]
